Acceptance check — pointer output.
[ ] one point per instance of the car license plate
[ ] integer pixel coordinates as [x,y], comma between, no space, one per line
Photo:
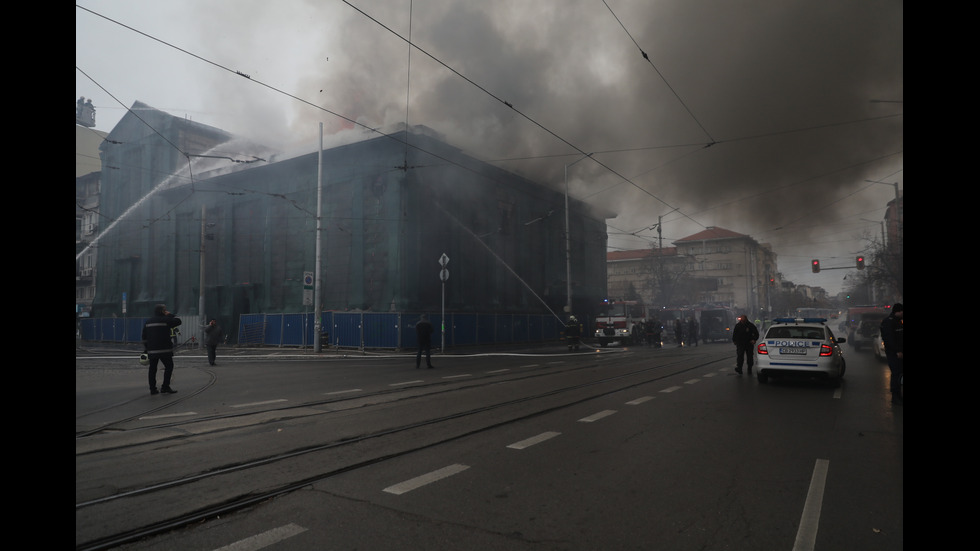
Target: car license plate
[796,351]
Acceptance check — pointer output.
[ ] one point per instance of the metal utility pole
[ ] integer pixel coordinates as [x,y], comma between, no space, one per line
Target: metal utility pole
[200,300]
[568,245]
[317,298]
[660,232]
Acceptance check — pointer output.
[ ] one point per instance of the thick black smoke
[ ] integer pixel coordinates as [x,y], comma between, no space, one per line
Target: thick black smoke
[757,116]
[783,90]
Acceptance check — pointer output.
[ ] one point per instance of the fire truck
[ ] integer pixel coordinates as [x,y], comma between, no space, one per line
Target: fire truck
[620,320]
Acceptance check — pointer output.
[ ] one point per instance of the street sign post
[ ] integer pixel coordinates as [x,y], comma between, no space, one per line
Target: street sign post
[443,276]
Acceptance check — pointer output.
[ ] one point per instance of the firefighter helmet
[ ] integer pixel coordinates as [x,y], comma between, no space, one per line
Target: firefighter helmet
[144,359]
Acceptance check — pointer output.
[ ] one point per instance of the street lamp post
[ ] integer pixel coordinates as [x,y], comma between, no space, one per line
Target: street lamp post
[568,245]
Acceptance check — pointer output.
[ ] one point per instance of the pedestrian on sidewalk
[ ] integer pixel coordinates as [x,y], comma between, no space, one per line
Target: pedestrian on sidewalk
[423,330]
[213,335]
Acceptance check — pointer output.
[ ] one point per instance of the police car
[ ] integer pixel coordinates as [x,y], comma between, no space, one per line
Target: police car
[803,347]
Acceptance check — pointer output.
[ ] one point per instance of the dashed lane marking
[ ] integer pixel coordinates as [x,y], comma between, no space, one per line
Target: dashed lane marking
[597,416]
[265,539]
[428,478]
[640,400]
[528,442]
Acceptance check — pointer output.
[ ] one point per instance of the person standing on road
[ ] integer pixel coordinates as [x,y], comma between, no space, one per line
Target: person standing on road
[744,336]
[692,331]
[679,331]
[573,333]
[423,330]
[891,336]
[159,345]
[213,335]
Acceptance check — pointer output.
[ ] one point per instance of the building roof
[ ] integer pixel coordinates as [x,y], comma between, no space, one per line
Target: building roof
[639,254]
[710,233]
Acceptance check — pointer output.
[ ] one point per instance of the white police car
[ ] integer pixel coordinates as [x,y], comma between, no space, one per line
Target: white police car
[803,347]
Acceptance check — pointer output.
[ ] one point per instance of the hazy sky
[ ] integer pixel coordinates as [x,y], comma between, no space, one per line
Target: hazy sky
[764,117]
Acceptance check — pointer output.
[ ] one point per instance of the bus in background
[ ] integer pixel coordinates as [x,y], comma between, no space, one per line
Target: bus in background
[667,317]
[828,314]
[717,324]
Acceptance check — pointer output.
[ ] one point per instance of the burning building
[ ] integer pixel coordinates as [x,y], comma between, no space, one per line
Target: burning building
[392,205]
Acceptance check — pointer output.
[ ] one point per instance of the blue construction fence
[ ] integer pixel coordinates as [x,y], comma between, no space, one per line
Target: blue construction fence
[360,330]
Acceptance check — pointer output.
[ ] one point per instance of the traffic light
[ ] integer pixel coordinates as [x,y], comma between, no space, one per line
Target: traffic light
[772,281]
[815,265]
[860,262]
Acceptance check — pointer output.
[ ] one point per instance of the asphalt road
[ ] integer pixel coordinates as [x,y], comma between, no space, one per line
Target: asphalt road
[633,448]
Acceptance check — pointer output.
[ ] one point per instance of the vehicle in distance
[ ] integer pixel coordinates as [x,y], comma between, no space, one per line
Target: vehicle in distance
[862,323]
[801,347]
[620,320]
[717,324]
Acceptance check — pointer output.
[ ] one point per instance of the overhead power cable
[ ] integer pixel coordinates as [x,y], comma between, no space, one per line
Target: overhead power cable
[671,88]
[511,106]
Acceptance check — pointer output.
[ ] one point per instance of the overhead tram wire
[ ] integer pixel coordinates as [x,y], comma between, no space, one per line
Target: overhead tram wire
[514,109]
[650,61]
[352,121]
[405,142]
[375,130]
[270,87]
[408,81]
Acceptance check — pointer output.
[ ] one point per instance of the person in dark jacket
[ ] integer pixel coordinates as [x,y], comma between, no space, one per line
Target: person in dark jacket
[213,335]
[692,331]
[891,336]
[423,330]
[573,333]
[744,335]
[159,345]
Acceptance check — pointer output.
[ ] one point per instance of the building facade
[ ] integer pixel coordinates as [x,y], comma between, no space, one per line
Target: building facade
[87,192]
[714,266]
[242,238]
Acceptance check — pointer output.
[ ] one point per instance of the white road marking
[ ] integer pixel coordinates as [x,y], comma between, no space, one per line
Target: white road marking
[639,401]
[527,443]
[265,539]
[671,389]
[806,535]
[342,391]
[407,383]
[457,376]
[259,403]
[500,370]
[419,481]
[597,416]
[692,381]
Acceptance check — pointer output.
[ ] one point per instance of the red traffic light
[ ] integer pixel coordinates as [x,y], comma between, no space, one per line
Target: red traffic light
[860,263]
[815,265]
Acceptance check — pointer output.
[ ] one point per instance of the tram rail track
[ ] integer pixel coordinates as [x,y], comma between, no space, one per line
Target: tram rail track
[320,461]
